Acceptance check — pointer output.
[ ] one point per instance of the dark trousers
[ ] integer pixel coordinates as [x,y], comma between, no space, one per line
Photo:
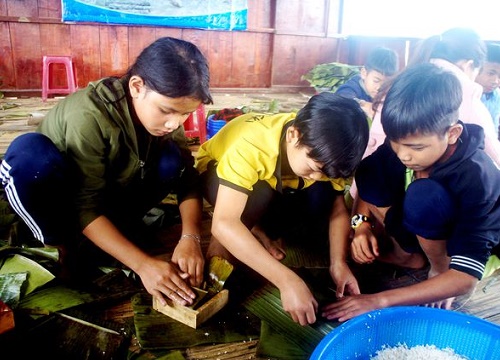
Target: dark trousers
[39,187]
[281,214]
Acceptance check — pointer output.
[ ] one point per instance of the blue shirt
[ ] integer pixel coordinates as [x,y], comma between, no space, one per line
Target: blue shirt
[354,88]
[492,102]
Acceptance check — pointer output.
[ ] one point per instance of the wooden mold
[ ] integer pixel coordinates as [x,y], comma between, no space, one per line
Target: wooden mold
[193,317]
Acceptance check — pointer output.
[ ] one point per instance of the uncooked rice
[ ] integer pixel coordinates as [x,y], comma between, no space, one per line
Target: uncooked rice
[419,352]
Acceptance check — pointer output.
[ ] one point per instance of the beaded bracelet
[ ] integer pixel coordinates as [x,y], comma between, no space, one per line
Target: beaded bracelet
[196,237]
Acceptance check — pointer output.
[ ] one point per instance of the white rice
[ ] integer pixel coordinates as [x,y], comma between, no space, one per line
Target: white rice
[419,352]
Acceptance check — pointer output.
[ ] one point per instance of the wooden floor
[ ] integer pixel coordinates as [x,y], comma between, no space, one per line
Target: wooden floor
[22,115]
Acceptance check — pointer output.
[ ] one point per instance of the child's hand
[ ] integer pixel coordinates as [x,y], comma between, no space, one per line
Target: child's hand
[299,302]
[351,306]
[161,278]
[364,246]
[344,279]
[188,256]
[442,304]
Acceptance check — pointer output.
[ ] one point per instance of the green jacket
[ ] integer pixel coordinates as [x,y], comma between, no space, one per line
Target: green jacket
[93,128]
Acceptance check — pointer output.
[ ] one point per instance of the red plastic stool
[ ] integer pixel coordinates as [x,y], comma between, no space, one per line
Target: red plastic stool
[71,81]
[196,125]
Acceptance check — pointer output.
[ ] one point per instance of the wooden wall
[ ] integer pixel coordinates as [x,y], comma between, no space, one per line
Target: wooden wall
[284,39]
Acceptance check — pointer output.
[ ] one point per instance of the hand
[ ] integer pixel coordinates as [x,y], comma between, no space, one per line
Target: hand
[161,278]
[351,306]
[344,279]
[442,304]
[188,256]
[299,302]
[364,245]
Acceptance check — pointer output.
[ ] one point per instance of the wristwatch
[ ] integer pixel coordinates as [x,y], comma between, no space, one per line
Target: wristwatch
[358,219]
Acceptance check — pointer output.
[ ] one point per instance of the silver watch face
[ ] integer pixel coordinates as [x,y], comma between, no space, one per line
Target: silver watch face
[357,220]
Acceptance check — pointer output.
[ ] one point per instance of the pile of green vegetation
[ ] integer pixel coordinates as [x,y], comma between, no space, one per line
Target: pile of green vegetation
[328,77]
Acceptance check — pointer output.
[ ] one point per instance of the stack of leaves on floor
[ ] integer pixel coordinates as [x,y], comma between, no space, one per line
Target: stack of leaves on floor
[60,321]
[328,77]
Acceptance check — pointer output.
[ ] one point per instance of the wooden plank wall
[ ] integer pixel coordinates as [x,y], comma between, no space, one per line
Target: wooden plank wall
[284,39]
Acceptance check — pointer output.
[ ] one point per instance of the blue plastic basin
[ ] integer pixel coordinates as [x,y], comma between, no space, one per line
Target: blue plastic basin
[362,336]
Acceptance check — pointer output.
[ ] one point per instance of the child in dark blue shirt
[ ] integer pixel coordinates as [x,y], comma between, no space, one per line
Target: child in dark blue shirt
[435,191]
[380,64]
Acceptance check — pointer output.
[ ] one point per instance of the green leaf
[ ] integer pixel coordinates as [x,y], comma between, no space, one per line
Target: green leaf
[265,303]
[328,77]
[10,287]
[38,275]
[54,299]
[273,344]
[219,270]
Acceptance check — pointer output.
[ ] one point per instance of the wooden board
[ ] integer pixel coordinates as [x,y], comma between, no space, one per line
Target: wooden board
[193,317]
[114,50]
[294,56]
[7,68]
[88,63]
[27,55]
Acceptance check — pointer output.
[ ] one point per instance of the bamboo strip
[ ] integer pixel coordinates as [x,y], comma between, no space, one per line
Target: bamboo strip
[237,350]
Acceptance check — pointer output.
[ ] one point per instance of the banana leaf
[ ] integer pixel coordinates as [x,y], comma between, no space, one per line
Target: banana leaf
[40,253]
[54,299]
[276,345]
[219,270]
[265,303]
[298,256]
[38,275]
[154,330]
[10,288]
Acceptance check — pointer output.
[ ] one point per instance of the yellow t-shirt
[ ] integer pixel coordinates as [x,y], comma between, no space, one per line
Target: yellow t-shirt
[247,149]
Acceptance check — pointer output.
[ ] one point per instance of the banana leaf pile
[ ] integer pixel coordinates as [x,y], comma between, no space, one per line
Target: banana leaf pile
[328,77]
[50,320]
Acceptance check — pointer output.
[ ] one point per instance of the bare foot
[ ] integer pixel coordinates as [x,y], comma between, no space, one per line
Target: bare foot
[397,256]
[275,247]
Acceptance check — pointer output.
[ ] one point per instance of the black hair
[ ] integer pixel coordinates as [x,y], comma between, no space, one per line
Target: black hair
[424,99]
[382,60]
[493,53]
[174,68]
[335,129]
[453,45]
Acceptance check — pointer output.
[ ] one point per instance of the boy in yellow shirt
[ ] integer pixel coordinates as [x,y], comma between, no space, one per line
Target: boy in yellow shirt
[256,163]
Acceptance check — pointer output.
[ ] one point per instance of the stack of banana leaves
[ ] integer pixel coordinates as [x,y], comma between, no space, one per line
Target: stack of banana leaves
[328,77]
[60,320]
